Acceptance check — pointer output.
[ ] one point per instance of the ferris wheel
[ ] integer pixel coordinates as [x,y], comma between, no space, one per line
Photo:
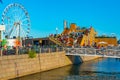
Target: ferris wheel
[16,20]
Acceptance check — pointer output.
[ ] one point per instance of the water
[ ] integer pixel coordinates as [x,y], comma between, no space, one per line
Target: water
[99,69]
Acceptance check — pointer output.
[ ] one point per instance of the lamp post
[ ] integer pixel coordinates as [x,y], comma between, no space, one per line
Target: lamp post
[56,36]
[56,30]
[113,35]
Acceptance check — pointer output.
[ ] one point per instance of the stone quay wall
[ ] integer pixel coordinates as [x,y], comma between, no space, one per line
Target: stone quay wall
[13,66]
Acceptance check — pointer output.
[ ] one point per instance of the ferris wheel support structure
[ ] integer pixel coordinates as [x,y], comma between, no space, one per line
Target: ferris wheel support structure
[17,21]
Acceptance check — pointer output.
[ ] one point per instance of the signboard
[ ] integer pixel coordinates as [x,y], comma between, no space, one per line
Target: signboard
[13,42]
[2,27]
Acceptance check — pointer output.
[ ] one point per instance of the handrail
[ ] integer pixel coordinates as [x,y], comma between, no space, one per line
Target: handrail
[93,52]
[56,41]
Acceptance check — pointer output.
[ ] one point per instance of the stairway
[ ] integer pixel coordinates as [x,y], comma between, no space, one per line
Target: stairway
[56,41]
[79,41]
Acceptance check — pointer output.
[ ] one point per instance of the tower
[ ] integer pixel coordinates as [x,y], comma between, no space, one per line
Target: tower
[65,24]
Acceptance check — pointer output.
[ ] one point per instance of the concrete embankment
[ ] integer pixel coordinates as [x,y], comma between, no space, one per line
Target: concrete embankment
[13,66]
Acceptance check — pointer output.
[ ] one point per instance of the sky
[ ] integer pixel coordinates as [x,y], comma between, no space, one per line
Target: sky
[47,15]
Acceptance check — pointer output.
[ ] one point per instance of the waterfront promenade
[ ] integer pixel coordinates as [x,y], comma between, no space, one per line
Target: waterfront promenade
[17,65]
[22,64]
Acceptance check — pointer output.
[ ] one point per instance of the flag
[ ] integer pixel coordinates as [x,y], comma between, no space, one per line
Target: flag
[1,1]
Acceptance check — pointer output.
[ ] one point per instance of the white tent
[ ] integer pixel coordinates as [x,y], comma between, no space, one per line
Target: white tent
[102,42]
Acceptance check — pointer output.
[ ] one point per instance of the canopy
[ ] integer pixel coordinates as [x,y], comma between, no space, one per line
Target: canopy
[102,42]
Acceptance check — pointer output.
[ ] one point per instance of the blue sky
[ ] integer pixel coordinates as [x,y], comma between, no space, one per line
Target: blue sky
[46,15]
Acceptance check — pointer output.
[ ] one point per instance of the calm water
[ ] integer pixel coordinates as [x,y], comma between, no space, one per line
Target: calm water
[99,69]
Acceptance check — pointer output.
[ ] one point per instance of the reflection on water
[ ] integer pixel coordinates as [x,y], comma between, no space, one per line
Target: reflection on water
[99,69]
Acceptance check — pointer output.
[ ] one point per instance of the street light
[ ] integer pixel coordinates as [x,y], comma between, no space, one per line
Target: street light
[104,34]
[113,34]
[56,30]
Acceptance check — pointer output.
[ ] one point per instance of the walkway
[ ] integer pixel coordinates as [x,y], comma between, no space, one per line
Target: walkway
[113,53]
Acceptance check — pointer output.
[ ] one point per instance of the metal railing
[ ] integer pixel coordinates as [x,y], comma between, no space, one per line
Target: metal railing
[93,52]
[27,49]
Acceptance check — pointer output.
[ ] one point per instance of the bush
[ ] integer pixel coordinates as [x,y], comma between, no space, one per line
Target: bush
[32,54]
